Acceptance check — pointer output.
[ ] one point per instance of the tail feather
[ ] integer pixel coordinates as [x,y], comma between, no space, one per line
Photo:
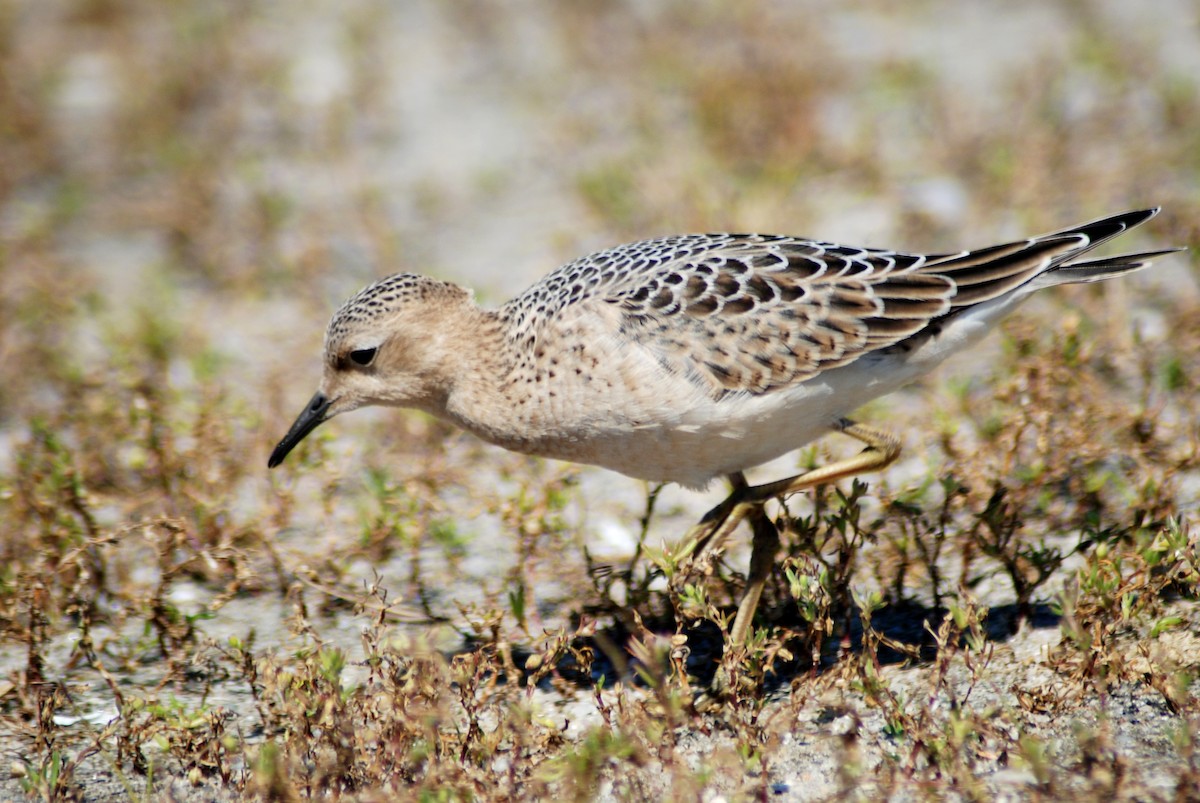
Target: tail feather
[1095,270]
[1101,231]
[1044,261]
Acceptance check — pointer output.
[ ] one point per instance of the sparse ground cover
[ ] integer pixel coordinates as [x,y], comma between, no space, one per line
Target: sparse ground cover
[187,189]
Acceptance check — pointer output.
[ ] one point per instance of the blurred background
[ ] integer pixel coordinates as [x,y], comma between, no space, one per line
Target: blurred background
[230,171]
[189,188]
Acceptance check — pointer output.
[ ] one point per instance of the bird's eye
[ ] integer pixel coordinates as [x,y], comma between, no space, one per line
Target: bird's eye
[363,356]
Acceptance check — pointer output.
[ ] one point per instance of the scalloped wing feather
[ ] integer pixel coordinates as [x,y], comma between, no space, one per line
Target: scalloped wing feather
[748,313]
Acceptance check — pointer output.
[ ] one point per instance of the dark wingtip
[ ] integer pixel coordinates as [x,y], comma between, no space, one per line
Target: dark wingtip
[1106,228]
[1140,216]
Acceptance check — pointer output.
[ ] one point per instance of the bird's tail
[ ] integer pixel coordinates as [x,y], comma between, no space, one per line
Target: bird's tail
[1068,268]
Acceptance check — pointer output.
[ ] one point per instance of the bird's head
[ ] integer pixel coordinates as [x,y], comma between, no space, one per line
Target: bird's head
[391,344]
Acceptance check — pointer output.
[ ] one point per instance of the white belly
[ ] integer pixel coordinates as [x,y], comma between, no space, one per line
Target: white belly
[715,438]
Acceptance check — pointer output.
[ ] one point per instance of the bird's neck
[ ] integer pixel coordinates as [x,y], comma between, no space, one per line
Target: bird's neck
[487,395]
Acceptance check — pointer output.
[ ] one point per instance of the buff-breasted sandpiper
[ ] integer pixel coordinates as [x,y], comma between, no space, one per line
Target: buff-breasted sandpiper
[686,358]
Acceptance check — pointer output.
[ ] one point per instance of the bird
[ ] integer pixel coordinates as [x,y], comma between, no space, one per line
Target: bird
[692,357]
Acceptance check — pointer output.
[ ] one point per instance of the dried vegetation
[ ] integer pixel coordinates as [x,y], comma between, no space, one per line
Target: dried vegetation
[403,613]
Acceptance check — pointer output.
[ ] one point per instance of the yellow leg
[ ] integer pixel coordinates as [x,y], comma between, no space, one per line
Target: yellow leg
[747,501]
[763,551]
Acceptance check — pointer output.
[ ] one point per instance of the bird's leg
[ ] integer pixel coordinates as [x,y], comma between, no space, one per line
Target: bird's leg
[763,551]
[706,531]
[707,536]
[748,500]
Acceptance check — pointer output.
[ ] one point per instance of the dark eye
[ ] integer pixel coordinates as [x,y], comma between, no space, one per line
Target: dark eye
[363,356]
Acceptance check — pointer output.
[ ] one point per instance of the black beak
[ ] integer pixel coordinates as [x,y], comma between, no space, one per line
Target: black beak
[312,416]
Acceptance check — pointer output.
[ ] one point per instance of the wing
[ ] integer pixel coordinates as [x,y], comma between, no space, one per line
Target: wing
[759,313]
[756,313]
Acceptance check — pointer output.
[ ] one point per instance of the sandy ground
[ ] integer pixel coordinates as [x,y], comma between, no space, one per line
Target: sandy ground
[486,146]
